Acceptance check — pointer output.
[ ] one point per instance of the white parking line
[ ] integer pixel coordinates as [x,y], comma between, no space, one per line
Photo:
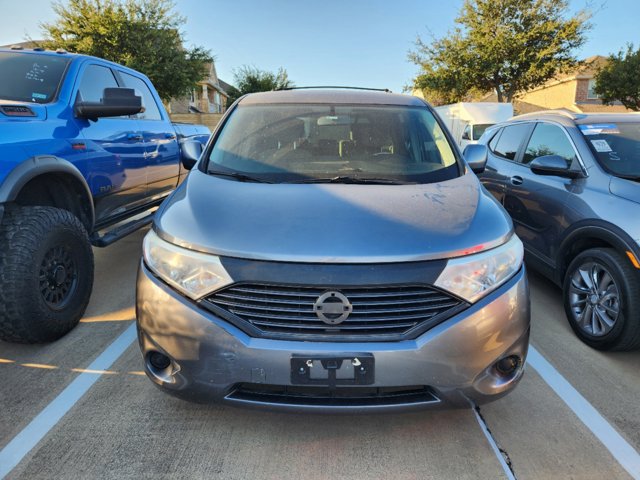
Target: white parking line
[29,437]
[621,450]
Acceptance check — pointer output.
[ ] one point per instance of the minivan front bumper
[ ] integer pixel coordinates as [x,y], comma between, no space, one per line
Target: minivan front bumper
[449,365]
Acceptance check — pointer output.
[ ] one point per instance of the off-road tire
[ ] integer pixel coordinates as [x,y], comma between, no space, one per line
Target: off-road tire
[46,273]
[625,334]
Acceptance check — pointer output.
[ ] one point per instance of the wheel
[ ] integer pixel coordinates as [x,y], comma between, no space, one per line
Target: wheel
[602,299]
[46,273]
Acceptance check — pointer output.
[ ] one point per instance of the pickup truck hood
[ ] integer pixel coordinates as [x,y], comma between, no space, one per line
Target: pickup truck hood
[33,111]
[332,223]
[623,188]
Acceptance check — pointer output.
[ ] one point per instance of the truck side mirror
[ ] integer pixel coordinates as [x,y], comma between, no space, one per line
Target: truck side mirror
[466,134]
[115,102]
[476,157]
[191,150]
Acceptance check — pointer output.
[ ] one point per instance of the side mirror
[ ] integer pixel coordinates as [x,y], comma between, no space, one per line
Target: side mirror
[466,135]
[553,165]
[115,102]
[191,151]
[476,157]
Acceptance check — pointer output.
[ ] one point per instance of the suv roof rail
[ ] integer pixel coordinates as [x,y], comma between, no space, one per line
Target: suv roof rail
[339,86]
[559,111]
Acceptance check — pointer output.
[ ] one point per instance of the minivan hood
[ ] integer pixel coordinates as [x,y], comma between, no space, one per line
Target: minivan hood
[332,223]
[623,188]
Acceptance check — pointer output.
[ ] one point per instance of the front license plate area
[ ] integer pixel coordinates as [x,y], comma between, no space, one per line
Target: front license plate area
[333,370]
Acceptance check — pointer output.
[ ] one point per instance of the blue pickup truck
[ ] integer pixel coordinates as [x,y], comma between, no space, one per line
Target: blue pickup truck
[87,152]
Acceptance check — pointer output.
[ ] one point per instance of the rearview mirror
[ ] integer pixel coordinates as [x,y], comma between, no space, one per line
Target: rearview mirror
[476,157]
[191,151]
[553,165]
[115,102]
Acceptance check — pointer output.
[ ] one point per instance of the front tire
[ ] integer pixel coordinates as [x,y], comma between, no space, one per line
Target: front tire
[46,273]
[601,294]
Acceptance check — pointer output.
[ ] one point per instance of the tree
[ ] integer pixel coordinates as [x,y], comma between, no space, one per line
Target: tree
[141,34]
[251,79]
[506,46]
[619,79]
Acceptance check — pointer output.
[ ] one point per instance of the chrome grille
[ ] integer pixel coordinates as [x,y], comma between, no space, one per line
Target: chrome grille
[283,311]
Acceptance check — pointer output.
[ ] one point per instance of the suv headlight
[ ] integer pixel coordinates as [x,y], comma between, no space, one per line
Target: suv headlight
[193,273]
[473,276]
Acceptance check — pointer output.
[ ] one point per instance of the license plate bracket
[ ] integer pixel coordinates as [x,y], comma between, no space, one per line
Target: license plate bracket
[333,370]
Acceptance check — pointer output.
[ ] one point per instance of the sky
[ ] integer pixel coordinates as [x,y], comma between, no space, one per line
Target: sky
[329,42]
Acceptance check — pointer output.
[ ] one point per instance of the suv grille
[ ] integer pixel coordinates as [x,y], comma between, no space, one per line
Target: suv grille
[279,311]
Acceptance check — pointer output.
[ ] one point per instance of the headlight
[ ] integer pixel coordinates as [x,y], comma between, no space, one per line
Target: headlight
[473,276]
[193,273]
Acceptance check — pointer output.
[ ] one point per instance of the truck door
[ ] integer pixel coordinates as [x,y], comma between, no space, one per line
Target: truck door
[160,142]
[115,167]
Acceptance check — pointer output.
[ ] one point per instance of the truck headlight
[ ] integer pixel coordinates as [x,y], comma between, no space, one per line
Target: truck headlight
[473,276]
[193,273]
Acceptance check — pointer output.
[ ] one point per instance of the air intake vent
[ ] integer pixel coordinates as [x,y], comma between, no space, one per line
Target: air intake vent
[17,111]
[374,313]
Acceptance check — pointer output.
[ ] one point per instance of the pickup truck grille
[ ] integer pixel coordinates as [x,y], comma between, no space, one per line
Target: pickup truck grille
[280,311]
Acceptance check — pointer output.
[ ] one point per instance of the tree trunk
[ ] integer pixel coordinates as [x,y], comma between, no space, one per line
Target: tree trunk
[499,94]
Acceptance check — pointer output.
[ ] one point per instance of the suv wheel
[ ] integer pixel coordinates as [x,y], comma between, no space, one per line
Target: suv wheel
[46,273]
[602,299]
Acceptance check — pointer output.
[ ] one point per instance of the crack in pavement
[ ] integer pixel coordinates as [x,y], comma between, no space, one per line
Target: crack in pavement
[502,454]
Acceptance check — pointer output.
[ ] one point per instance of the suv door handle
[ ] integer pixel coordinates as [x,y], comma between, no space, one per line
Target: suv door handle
[134,136]
[516,180]
[170,136]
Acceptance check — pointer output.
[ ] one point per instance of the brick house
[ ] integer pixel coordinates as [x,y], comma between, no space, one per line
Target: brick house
[209,96]
[572,91]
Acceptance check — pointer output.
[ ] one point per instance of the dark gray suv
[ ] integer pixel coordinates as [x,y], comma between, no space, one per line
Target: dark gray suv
[571,183]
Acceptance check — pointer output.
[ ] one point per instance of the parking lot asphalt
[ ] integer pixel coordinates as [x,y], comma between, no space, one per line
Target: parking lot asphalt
[123,427]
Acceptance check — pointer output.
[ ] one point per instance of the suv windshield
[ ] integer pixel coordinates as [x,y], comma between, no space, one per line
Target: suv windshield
[333,143]
[616,146]
[26,77]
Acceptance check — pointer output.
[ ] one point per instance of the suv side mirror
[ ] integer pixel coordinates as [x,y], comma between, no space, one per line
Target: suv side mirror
[115,103]
[191,150]
[476,157]
[553,165]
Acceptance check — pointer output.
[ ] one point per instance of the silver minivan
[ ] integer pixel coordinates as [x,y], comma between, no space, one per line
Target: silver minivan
[331,251]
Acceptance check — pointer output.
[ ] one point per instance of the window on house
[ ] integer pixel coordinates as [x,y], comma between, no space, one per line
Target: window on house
[591,94]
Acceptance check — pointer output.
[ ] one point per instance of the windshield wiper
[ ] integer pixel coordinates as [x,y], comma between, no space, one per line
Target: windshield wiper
[353,180]
[241,177]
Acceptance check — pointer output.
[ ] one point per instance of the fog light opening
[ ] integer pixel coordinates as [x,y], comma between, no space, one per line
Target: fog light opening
[506,367]
[159,361]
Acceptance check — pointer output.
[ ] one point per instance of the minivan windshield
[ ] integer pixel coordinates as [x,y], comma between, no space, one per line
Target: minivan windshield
[26,77]
[300,143]
[616,146]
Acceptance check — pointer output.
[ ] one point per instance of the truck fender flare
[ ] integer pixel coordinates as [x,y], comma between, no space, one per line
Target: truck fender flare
[37,166]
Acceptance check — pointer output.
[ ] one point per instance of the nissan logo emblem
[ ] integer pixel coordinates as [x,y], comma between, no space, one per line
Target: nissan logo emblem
[332,307]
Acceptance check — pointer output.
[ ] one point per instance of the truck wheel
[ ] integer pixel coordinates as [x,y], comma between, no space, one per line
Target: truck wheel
[46,273]
[602,299]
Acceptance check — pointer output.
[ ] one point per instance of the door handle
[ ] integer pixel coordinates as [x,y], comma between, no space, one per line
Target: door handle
[170,136]
[134,136]
[516,180]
